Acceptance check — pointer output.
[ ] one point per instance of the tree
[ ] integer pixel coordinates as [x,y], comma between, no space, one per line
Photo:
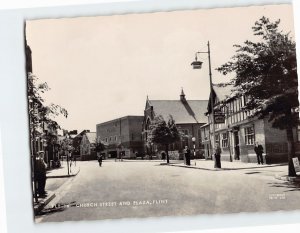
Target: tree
[163,133]
[266,73]
[41,115]
[99,145]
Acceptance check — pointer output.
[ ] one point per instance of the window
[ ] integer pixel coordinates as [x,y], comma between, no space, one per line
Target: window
[249,135]
[298,133]
[224,140]
[217,139]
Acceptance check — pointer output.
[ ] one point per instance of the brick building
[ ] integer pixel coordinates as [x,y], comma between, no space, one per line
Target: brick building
[189,117]
[122,135]
[239,133]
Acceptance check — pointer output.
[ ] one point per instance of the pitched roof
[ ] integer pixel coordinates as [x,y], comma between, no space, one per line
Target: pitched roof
[223,91]
[91,136]
[183,112]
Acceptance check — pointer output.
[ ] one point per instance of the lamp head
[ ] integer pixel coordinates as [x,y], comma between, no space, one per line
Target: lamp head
[197,64]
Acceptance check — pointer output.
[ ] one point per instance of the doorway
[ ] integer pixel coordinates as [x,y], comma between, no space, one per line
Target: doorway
[236,145]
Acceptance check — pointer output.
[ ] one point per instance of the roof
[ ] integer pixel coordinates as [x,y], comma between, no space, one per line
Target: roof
[121,118]
[223,91]
[183,112]
[91,136]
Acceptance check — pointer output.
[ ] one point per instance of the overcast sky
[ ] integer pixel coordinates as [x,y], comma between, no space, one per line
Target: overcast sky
[102,68]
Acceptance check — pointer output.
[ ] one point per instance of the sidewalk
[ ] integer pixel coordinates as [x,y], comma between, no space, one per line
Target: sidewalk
[54,181]
[62,172]
[208,165]
[226,165]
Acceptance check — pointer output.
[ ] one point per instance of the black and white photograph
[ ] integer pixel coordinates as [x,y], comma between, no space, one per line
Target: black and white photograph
[180,113]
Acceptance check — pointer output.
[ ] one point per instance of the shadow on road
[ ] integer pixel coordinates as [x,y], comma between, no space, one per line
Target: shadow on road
[291,186]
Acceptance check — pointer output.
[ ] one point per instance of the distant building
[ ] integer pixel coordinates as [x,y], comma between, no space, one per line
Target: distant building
[189,116]
[87,146]
[77,141]
[237,135]
[122,136]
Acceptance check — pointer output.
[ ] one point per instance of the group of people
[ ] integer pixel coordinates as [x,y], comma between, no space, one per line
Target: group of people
[258,148]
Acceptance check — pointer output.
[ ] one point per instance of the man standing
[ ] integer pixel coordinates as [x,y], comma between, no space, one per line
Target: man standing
[218,156]
[259,150]
[187,154]
[40,174]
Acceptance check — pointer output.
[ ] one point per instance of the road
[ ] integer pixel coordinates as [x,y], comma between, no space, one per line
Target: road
[148,189]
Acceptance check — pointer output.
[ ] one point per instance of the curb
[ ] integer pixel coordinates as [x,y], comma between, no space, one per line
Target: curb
[64,176]
[40,206]
[288,178]
[221,169]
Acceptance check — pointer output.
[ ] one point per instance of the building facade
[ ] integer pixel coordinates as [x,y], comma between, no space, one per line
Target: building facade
[189,117]
[87,146]
[239,132]
[123,137]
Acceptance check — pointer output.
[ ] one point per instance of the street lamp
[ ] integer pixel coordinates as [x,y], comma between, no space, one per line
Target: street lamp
[198,65]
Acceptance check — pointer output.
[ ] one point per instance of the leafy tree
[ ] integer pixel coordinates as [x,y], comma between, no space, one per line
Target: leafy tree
[99,145]
[40,115]
[266,74]
[163,133]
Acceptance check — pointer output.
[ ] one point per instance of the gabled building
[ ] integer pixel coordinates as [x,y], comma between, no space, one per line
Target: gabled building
[189,116]
[87,146]
[239,132]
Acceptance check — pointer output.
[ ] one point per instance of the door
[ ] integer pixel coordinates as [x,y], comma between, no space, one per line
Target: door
[236,145]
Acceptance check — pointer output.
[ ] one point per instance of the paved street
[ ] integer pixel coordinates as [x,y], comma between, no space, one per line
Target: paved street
[142,188]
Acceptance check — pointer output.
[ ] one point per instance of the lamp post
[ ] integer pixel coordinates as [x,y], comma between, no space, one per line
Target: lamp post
[194,146]
[198,65]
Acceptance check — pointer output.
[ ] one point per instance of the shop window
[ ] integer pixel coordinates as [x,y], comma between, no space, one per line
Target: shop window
[224,140]
[217,138]
[249,135]
[298,133]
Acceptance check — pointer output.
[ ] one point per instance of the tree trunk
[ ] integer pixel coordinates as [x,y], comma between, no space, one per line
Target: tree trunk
[291,151]
[167,153]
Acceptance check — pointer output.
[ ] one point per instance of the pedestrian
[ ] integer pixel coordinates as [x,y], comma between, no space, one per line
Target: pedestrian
[187,154]
[40,174]
[74,159]
[100,160]
[259,150]
[218,156]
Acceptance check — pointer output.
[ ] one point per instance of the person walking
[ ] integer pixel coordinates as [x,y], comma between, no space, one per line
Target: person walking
[259,150]
[100,160]
[218,156]
[40,174]
[187,154]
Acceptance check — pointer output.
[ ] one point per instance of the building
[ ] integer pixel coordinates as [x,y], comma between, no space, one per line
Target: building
[189,116]
[123,136]
[87,146]
[238,133]
[77,141]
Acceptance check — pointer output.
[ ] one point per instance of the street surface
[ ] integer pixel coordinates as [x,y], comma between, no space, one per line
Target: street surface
[131,189]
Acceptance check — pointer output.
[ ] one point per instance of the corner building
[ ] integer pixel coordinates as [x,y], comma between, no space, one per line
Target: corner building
[238,134]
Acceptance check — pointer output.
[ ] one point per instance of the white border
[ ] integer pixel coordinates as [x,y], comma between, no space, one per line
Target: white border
[13,127]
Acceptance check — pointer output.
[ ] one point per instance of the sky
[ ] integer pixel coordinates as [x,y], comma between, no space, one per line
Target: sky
[101,68]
